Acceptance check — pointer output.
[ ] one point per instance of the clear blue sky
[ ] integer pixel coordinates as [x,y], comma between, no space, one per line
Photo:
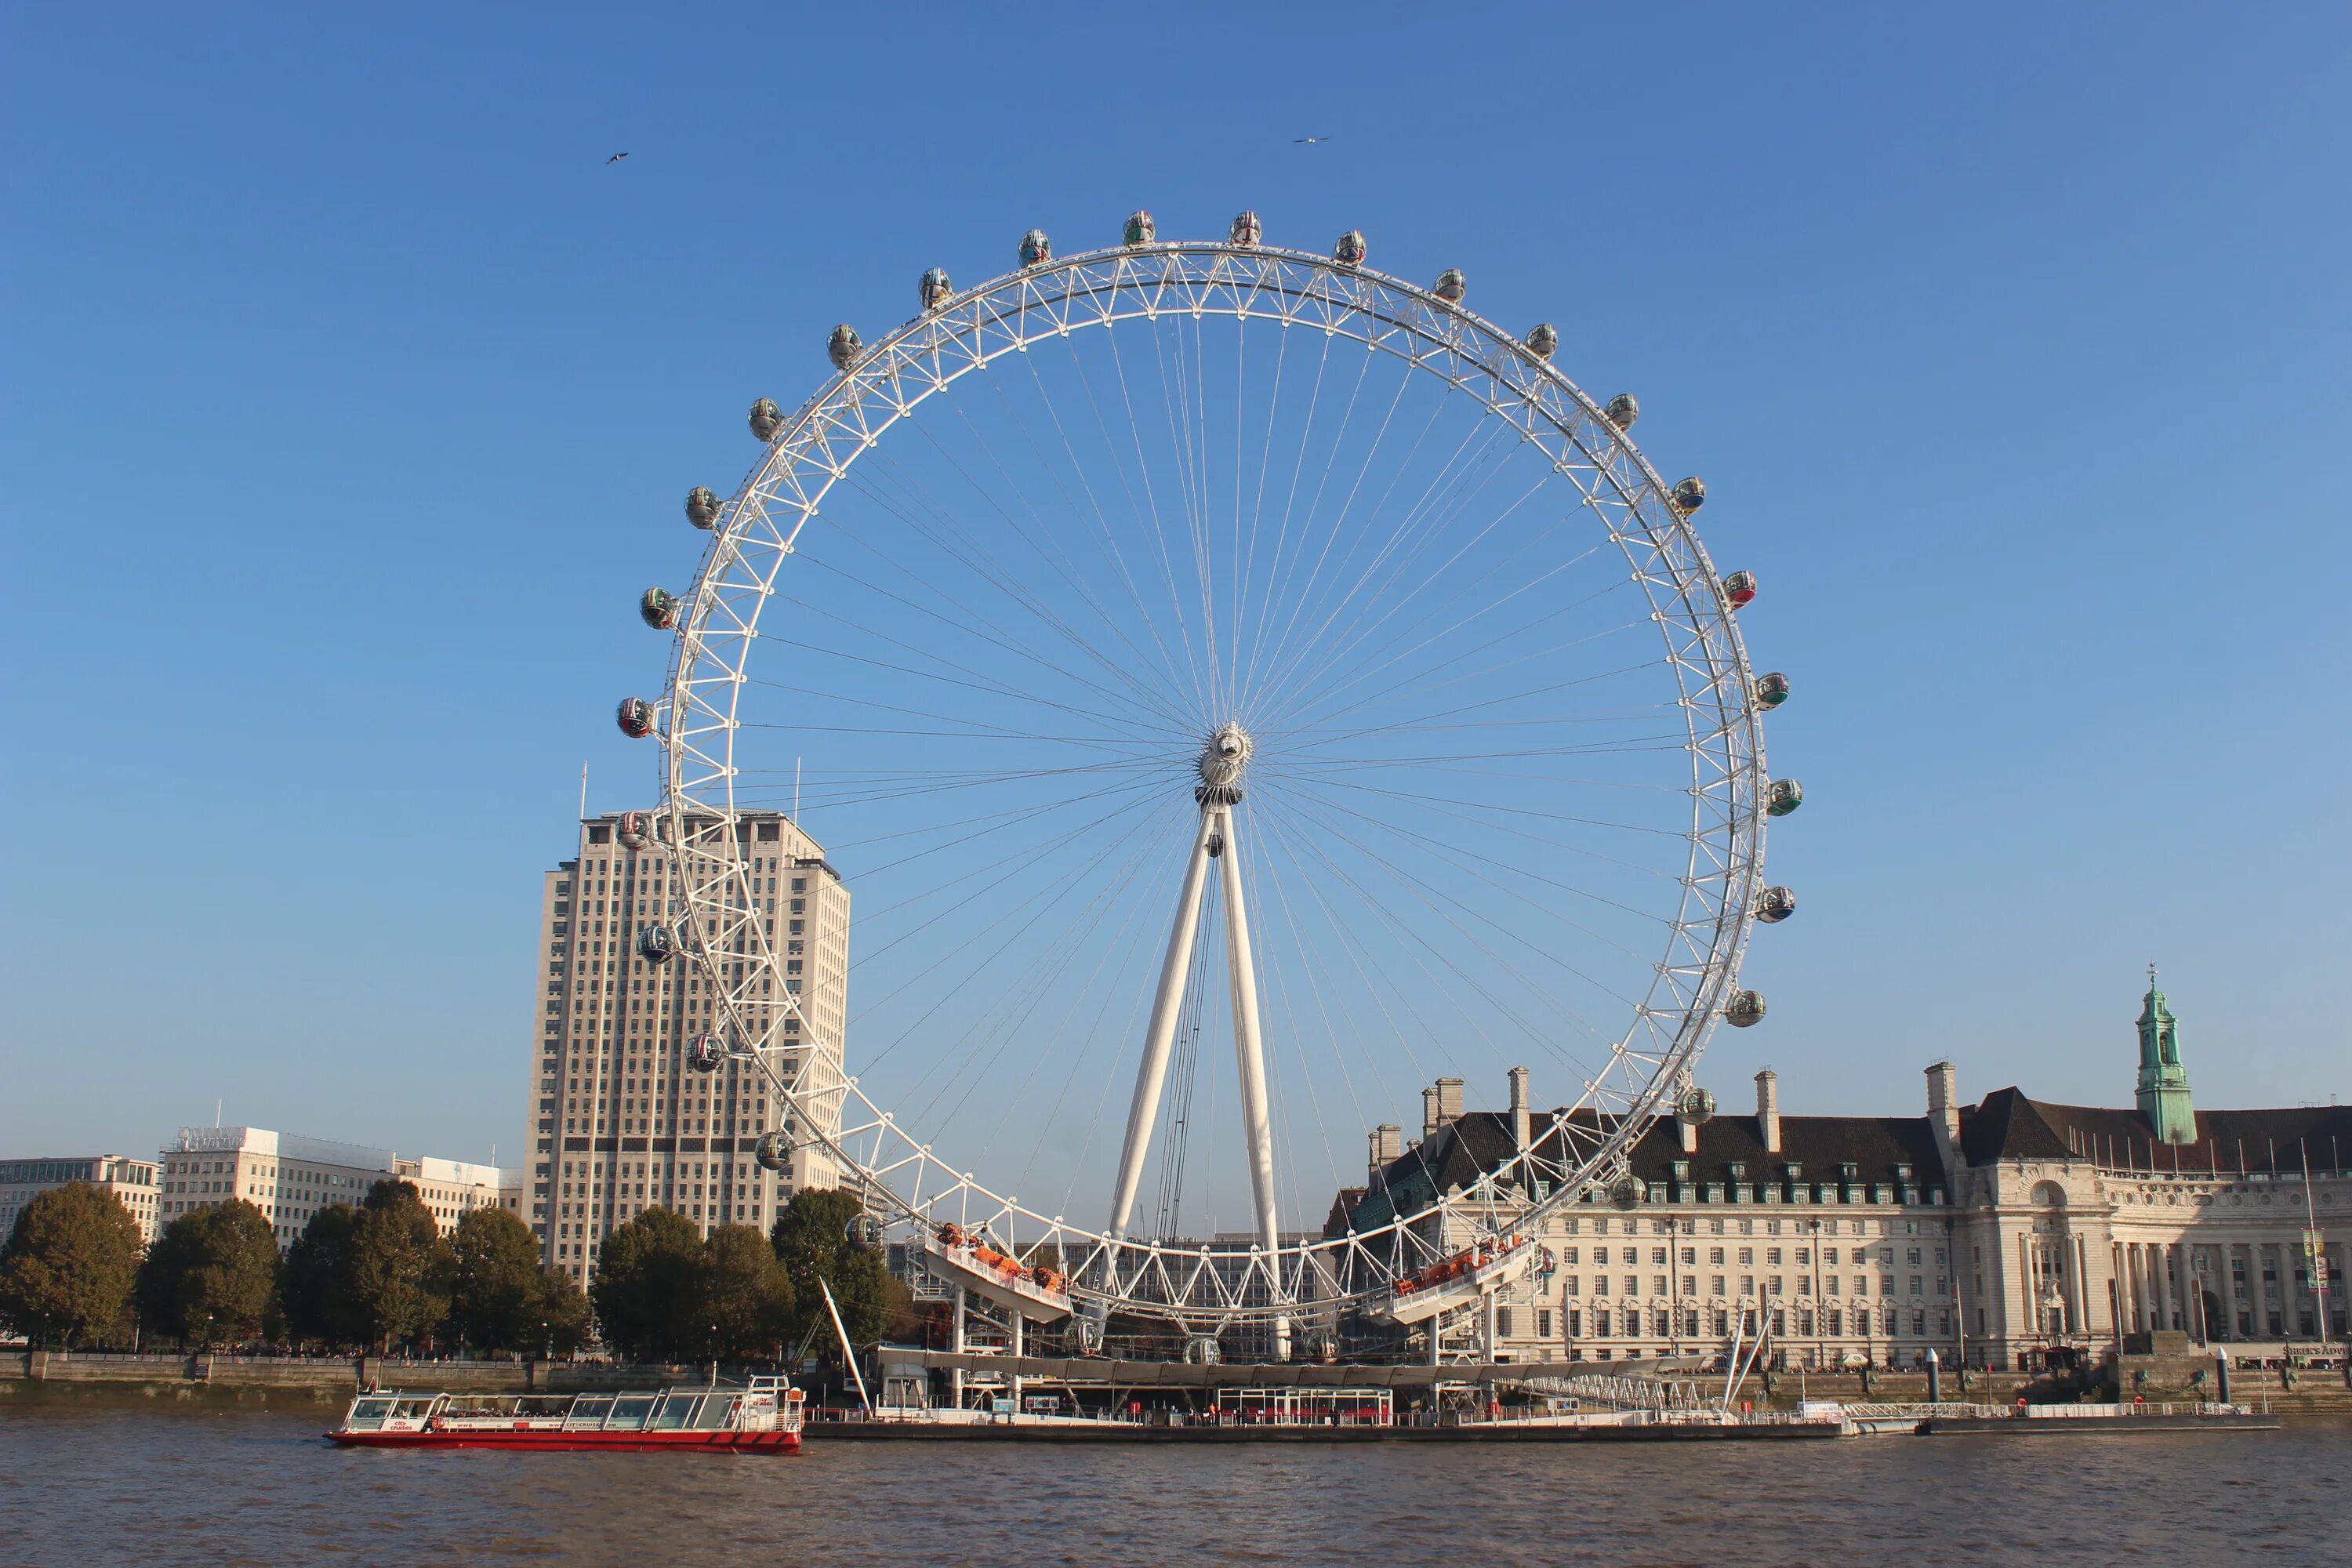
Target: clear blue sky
[348,399]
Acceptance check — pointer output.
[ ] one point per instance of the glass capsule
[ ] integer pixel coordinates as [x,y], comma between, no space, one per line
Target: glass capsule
[1691,494]
[1627,1192]
[704,1052]
[863,1232]
[702,501]
[1774,905]
[843,346]
[631,830]
[1772,689]
[656,945]
[1694,1107]
[935,288]
[1623,410]
[767,419]
[1740,588]
[1783,797]
[1745,1010]
[1247,230]
[774,1152]
[1140,229]
[1543,340]
[1035,249]
[659,609]
[1350,250]
[636,717]
[1451,285]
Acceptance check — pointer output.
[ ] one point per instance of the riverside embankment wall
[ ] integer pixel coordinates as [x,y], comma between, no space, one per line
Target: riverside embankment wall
[56,1374]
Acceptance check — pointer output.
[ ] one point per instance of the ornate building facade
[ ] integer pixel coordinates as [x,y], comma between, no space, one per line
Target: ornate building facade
[1995,1234]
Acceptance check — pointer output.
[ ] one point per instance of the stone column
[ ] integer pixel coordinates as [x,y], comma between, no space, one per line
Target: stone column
[2259,1290]
[2030,1284]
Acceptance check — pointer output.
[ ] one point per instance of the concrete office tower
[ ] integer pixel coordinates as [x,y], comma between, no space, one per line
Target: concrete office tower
[289,1179]
[620,1123]
[132,1183]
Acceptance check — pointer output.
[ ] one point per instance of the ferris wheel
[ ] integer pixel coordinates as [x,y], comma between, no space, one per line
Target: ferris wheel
[1245,697]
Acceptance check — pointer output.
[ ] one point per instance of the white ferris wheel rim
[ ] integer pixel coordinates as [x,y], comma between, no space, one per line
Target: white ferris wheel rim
[718,625]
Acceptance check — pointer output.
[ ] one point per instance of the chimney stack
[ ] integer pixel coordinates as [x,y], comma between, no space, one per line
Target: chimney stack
[1767,1108]
[1387,1145]
[1944,1099]
[1520,1119]
[1449,1100]
[1430,1119]
[1943,1110]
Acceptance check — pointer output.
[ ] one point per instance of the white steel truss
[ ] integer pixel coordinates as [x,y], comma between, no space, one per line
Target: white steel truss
[720,625]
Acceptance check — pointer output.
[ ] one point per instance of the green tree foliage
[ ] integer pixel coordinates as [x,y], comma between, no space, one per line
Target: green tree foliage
[649,1290]
[314,1283]
[209,1276]
[399,1266]
[67,1270]
[748,1297]
[563,1312]
[812,1241]
[496,1285]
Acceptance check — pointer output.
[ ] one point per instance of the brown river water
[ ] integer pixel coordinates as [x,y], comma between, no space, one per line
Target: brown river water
[87,1487]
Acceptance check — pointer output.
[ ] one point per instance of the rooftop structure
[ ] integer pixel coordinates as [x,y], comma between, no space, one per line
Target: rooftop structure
[292,1178]
[132,1181]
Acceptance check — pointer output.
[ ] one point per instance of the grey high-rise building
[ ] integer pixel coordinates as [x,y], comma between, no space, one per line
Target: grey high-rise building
[621,1122]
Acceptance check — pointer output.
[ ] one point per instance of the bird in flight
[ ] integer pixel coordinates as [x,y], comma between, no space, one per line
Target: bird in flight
[1303,141]
[615,158]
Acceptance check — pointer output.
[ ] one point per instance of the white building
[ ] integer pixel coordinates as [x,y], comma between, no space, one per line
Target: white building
[289,1179]
[132,1183]
[2003,1232]
[620,1123]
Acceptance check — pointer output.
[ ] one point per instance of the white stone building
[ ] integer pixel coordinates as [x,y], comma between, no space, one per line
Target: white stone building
[292,1178]
[619,1123]
[2000,1232]
[132,1183]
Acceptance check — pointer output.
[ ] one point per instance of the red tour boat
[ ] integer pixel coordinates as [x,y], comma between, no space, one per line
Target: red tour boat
[763,1418]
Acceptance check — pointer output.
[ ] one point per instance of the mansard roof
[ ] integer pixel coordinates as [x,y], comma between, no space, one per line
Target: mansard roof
[1458,1154]
[2008,1125]
[2012,1125]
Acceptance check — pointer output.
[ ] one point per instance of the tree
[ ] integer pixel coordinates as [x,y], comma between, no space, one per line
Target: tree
[812,1241]
[67,1270]
[496,1289]
[314,1283]
[399,1267]
[210,1274]
[648,1289]
[563,1312]
[748,1296]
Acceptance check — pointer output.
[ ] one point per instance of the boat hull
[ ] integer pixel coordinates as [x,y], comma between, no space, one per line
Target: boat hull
[580,1442]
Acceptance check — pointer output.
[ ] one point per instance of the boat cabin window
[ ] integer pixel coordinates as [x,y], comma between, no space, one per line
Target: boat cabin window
[677,1410]
[589,1410]
[630,1409]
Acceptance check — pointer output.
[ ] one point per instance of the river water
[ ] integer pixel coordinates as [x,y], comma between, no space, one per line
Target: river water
[89,1487]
